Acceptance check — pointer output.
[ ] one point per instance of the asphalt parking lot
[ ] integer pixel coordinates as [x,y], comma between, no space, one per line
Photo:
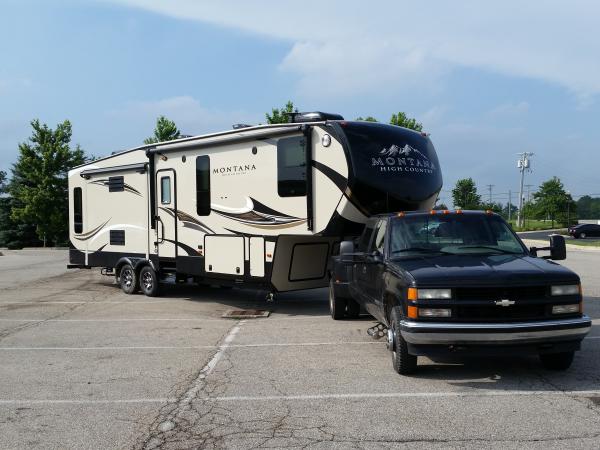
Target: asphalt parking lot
[85,366]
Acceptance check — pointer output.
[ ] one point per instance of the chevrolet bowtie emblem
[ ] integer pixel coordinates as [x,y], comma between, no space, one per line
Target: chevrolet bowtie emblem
[505,302]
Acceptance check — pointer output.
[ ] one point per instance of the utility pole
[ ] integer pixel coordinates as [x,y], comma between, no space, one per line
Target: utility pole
[509,204]
[528,187]
[522,165]
[490,186]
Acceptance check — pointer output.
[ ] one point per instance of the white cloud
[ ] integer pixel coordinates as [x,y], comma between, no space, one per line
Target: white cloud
[509,109]
[338,46]
[187,112]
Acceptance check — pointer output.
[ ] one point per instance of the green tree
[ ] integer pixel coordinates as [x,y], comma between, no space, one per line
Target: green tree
[402,120]
[367,119]
[281,115]
[39,180]
[13,234]
[551,201]
[465,194]
[165,130]
[588,207]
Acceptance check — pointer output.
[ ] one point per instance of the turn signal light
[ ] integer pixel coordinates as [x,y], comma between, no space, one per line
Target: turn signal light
[413,312]
[412,294]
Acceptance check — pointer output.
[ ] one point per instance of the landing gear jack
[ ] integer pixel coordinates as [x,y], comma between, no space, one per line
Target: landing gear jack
[377,331]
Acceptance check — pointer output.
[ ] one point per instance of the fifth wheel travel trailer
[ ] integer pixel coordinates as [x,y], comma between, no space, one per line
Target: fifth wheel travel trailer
[260,206]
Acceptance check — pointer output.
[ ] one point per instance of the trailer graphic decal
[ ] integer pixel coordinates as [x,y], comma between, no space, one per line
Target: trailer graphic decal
[188,221]
[403,159]
[126,187]
[89,234]
[258,215]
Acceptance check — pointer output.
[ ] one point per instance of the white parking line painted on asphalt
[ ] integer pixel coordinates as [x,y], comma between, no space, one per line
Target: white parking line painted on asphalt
[195,347]
[190,397]
[385,395]
[86,401]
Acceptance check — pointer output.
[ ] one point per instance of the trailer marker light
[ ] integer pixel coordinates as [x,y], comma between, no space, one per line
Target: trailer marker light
[326,140]
[488,212]
[269,255]
[413,312]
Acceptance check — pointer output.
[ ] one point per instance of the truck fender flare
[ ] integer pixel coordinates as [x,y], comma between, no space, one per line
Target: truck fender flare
[390,300]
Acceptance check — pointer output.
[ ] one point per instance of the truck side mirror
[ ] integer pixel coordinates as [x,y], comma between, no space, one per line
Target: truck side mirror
[346,247]
[558,249]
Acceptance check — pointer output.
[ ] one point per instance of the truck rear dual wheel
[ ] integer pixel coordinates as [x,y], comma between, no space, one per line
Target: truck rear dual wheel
[341,307]
[557,361]
[404,363]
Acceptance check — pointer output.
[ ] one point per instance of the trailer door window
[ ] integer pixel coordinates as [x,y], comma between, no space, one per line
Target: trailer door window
[165,190]
[203,185]
[291,167]
[77,210]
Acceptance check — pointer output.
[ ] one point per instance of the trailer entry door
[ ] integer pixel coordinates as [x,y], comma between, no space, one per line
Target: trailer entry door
[166,211]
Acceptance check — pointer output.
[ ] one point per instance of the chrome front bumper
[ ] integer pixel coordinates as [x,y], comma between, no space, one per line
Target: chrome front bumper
[448,333]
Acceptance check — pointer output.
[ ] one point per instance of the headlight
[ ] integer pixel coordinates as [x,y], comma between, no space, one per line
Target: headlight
[435,312]
[428,294]
[565,309]
[566,289]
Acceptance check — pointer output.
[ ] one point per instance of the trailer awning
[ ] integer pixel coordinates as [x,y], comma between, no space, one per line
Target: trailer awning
[140,167]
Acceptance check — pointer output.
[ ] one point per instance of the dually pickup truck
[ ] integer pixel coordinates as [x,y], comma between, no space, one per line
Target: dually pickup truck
[462,282]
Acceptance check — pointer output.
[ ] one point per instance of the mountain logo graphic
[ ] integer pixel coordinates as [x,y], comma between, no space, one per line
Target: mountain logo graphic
[407,150]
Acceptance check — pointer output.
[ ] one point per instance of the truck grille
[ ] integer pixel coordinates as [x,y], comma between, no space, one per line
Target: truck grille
[529,303]
[495,313]
[501,292]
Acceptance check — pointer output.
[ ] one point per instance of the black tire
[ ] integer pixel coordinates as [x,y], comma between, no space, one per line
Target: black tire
[557,361]
[352,308]
[149,284]
[582,235]
[337,305]
[128,279]
[404,363]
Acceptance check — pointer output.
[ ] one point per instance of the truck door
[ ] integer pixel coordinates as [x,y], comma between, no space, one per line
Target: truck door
[375,264]
[166,213]
[360,276]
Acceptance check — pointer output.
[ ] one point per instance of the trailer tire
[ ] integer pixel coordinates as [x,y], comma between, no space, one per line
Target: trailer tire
[352,308]
[557,361]
[149,283]
[337,305]
[404,363]
[128,279]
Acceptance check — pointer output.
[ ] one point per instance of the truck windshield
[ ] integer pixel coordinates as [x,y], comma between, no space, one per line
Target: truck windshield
[453,234]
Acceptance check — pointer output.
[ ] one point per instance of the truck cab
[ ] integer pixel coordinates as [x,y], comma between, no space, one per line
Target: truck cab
[459,282]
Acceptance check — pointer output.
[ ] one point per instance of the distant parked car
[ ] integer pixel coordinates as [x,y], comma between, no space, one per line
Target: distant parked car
[584,230]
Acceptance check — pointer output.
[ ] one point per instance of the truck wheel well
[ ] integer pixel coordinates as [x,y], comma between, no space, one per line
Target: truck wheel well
[389,301]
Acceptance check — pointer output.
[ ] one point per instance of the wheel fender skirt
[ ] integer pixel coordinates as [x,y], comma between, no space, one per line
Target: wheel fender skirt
[136,263]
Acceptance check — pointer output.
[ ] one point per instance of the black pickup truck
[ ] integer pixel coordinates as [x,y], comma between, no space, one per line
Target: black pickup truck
[459,281]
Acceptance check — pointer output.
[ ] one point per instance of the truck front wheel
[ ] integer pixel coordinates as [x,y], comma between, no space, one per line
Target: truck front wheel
[404,363]
[557,361]
[337,305]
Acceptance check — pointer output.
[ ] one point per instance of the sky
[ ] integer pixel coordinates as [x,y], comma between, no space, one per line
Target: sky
[486,80]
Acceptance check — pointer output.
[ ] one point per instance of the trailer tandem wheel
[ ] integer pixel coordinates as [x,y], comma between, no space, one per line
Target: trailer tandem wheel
[128,279]
[149,283]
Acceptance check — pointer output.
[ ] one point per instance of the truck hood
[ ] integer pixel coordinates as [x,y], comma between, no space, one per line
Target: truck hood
[483,270]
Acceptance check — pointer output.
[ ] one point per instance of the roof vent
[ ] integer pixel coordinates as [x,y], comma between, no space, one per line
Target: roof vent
[237,126]
[315,116]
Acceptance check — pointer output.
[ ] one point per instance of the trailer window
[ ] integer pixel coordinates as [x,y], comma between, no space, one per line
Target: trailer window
[203,185]
[165,190]
[77,210]
[291,167]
